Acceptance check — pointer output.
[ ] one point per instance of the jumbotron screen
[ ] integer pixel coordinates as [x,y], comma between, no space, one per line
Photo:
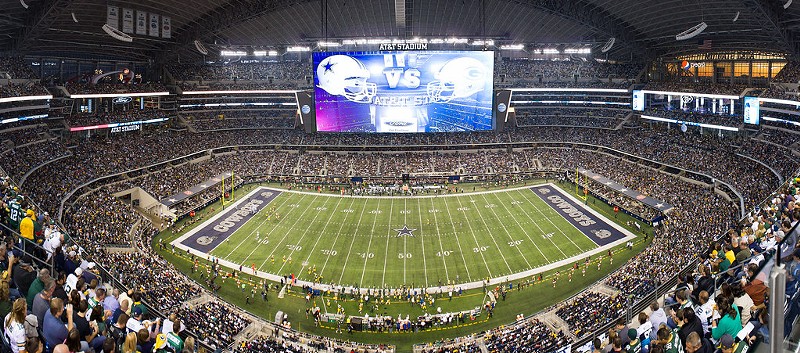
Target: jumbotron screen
[403,91]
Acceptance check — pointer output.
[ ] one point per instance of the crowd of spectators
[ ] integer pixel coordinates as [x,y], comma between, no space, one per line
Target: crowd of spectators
[215,324]
[250,71]
[697,87]
[784,138]
[590,310]
[554,70]
[696,117]
[528,335]
[277,119]
[790,73]
[31,88]
[90,88]
[18,161]
[579,121]
[121,116]
[780,92]
[17,68]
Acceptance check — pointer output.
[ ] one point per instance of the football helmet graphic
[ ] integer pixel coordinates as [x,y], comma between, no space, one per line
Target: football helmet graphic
[342,75]
[458,78]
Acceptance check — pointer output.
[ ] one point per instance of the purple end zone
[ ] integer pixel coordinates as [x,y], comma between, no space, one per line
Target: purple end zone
[596,229]
[212,234]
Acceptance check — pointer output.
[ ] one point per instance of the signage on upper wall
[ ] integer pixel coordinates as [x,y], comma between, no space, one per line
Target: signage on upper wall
[686,65]
[122,100]
[126,128]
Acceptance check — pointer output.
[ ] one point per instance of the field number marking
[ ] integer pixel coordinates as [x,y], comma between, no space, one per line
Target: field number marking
[514,243]
[404,255]
[444,253]
[293,247]
[463,209]
[328,252]
[367,255]
[480,249]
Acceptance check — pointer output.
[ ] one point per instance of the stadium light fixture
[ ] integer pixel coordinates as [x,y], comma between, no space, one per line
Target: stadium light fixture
[297,49]
[692,32]
[200,47]
[116,34]
[488,42]
[272,53]
[608,45]
[232,53]
[260,53]
[328,44]
[512,47]
[577,51]
[549,51]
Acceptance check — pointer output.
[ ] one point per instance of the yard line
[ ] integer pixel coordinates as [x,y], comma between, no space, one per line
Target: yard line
[366,258]
[323,229]
[489,232]
[458,241]
[285,200]
[386,251]
[441,246]
[551,222]
[338,232]
[353,240]
[405,221]
[507,232]
[521,227]
[305,232]
[285,235]
[540,228]
[477,243]
[422,241]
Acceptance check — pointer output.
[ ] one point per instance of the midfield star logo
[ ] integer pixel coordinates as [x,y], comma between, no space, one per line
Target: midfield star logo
[405,231]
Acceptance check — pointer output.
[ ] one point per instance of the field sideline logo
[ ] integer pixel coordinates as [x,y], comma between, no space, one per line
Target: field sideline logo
[570,211]
[230,221]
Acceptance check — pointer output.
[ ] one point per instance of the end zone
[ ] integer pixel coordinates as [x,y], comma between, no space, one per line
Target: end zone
[208,235]
[595,226]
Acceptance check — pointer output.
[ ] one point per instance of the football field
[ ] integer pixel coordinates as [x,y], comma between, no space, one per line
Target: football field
[419,241]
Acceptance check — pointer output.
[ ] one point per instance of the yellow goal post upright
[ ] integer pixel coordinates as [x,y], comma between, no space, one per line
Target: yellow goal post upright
[222,195]
[583,194]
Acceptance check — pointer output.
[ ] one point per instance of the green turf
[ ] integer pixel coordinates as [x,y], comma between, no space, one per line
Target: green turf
[529,300]
[354,241]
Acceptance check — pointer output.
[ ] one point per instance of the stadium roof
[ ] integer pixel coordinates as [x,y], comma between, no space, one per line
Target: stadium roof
[641,28]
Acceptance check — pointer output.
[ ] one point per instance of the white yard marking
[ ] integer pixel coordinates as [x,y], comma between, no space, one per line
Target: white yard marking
[521,227]
[369,244]
[386,249]
[338,232]
[441,246]
[285,236]
[298,241]
[422,241]
[458,241]
[323,229]
[499,249]
[510,237]
[488,271]
[255,231]
[352,240]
